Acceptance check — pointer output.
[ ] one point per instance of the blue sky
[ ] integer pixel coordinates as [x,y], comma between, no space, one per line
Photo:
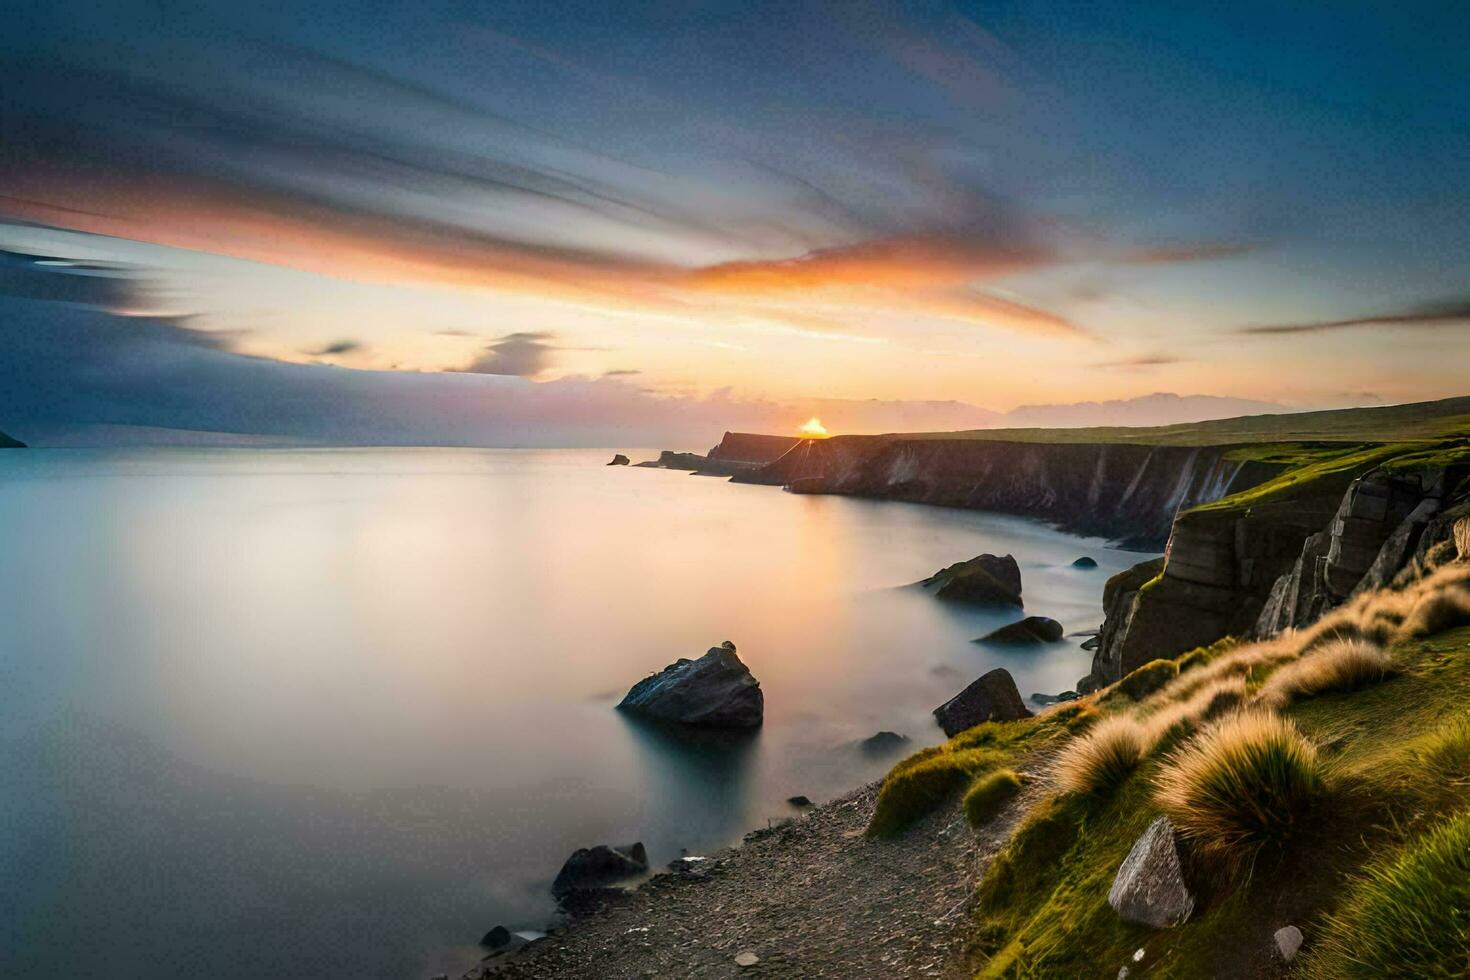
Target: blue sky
[760,204]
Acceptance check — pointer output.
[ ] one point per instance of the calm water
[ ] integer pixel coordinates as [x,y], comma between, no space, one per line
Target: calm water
[276,714]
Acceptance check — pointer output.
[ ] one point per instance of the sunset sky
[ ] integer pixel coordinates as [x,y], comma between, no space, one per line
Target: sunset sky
[624,213]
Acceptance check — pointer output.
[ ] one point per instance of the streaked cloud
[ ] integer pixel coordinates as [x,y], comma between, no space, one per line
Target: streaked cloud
[1448,313]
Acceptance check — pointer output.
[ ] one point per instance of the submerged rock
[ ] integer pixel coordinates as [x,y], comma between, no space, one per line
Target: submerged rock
[715,691]
[985,580]
[1150,889]
[883,743]
[993,697]
[1085,562]
[1032,629]
[619,460]
[591,868]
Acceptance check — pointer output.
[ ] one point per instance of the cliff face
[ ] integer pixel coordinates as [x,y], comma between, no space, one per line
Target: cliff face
[750,447]
[1126,492]
[1281,562]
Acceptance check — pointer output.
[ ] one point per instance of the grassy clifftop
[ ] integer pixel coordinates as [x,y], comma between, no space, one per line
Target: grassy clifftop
[1417,421]
[1319,780]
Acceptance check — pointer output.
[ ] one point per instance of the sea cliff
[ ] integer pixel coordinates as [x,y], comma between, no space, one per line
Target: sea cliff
[1127,492]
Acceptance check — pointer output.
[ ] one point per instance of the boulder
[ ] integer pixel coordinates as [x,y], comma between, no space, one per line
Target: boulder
[799,801]
[619,460]
[591,868]
[1092,643]
[497,938]
[1032,629]
[993,697]
[715,691]
[984,580]
[1085,562]
[1288,940]
[1150,889]
[883,743]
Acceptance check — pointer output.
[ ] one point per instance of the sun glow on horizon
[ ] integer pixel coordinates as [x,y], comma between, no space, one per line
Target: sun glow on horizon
[813,429]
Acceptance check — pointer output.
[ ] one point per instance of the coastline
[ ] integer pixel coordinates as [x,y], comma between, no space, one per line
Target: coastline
[813,897]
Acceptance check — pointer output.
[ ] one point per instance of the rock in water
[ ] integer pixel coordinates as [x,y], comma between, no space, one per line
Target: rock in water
[1032,629]
[619,460]
[1150,889]
[802,801]
[496,938]
[991,698]
[883,743]
[1085,562]
[986,580]
[715,691]
[597,867]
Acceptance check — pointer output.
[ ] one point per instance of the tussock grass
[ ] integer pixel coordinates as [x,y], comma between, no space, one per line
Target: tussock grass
[1445,758]
[1176,721]
[1098,762]
[989,794]
[1242,784]
[920,784]
[1407,915]
[1247,664]
[1341,665]
[1420,608]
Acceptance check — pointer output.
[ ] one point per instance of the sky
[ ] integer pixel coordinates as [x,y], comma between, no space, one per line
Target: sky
[591,223]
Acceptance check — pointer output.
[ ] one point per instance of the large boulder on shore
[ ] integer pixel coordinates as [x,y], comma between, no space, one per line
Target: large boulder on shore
[715,691]
[591,868]
[1150,889]
[1024,632]
[985,580]
[993,697]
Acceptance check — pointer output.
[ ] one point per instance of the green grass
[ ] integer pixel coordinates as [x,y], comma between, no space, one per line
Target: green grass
[1406,915]
[989,794]
[1323,467]
[1042,906]
[1419,420]
[1142,682]
[929,778]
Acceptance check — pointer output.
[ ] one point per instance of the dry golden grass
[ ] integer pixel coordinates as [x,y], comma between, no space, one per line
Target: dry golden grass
[1099,761]
[1247,663]
[1423,607]
[1177,720]
[1244,783]
[1341,665]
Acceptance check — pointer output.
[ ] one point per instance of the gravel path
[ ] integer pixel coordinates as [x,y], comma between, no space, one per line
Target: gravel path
[811,898]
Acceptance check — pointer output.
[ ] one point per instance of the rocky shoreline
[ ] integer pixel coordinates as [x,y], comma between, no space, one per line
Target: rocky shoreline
[813,897]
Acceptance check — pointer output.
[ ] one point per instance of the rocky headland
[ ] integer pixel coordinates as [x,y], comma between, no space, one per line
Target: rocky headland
[1308,625]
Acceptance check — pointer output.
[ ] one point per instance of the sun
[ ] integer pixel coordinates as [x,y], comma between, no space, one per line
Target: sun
[813,429]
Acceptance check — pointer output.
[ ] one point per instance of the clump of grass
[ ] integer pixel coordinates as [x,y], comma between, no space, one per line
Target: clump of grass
[1139,684]
[989,794]
[1436,612]
[1342,665]
[1408,915]
[1098,762]
[1176,721]
[1445,759]
[1242,784]
[920,784]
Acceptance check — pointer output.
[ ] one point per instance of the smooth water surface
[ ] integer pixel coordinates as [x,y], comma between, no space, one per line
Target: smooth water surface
[337,712]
